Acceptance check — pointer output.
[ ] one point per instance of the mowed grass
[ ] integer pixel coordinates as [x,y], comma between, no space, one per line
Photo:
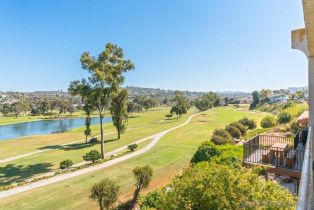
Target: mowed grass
[168,158]
[140,126]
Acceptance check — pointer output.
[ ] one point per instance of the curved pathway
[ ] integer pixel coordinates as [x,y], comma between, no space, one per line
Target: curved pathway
[61,177]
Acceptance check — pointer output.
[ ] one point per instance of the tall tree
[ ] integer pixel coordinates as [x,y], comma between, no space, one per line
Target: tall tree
[119,111]
[106,75]
[256,100]
[143,176]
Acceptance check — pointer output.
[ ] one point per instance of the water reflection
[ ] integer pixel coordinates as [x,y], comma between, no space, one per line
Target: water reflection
[43,127]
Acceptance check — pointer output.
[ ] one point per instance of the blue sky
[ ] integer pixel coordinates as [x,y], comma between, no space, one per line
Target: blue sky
[196,45]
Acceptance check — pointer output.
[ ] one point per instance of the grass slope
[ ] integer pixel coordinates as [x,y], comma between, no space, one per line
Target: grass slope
[167,158]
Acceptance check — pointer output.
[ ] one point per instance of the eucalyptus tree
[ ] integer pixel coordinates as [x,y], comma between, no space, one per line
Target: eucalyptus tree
[119,111]
[106,74]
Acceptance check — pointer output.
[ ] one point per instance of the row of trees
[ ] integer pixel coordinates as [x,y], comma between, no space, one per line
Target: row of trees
[38,107]
[207,101]
[232,131]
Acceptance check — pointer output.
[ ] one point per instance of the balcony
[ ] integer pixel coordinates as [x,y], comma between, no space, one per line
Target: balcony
[280,154]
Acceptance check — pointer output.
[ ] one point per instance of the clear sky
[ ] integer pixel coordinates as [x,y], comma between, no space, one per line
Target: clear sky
[196,45]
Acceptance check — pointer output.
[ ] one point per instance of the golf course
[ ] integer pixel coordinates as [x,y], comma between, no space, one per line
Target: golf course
[170,155]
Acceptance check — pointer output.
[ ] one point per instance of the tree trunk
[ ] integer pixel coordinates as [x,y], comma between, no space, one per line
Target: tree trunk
[101,136]
[134,200]
[86,139]
[119,133]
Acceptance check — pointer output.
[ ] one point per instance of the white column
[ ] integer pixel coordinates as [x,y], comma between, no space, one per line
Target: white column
[311,90]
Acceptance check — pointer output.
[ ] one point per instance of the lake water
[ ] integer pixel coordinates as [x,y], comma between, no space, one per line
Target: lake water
[44,127]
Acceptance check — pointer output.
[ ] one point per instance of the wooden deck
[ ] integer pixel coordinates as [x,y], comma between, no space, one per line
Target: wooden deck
[277,154]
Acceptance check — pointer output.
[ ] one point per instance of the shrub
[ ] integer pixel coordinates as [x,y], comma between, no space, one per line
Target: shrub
[219,140]
[93,155]
[284,117]
[250,124]
[66,164]
[132,147]
[151,200]
[234,131]
[268,122]
[289,104]
[217,186]
[205,152]
[222,133]
[239,126]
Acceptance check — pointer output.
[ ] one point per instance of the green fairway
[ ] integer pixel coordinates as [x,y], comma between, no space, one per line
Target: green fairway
[167,158]
[140,126]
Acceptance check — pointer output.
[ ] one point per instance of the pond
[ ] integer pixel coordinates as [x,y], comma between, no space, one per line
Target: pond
[43,127]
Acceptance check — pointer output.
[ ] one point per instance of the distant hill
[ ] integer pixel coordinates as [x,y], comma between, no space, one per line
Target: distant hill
[156,92]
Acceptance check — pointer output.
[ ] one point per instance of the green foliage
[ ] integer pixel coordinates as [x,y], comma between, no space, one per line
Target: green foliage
[234,131]
[205,152]
[143,176]
[177,110]
[284,117]
[181,106]
[92,155]
[213,186]
[132,147]
[66,164]
[256,101]
[289,104]
[105,193]
[207,101]
[268,121]
[106,75]
[152,200]
[239,126]
[250,124]
[119,111]
[221,136]
[256,132]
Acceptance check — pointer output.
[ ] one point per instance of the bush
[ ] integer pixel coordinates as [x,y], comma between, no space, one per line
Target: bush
[239,126]
[219,140]
[205,152]
[284,117]
[250,124]
[223,133]
[268,122]
[217,186]
[289,104]
[234,131]
[66,164]
[151,200]
[93,155]
[132,147]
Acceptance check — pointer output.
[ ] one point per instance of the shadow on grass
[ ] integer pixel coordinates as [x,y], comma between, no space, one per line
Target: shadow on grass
[12,173]
[51,147]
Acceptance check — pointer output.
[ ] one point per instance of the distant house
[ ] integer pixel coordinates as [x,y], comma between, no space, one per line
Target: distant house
[278,99]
